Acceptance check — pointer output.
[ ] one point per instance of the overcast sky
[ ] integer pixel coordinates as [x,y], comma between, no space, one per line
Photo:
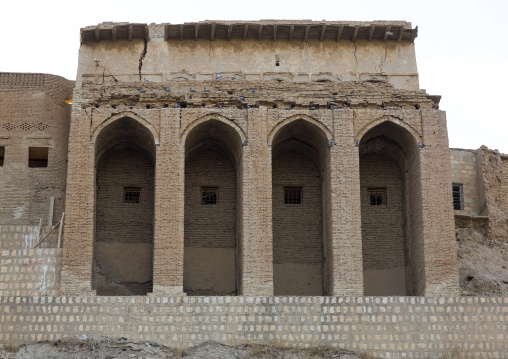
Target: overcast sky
[461,49]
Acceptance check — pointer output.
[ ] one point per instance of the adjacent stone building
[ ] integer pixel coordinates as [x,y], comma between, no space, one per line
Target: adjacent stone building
[241,158]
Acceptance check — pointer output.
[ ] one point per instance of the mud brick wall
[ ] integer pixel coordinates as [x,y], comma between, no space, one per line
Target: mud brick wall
[464,172]
[30,272]
[389,327]
[33,113]
[26,237]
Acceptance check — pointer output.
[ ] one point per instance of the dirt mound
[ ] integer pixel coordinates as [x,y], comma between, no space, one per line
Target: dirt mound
[483,265]
[74,348]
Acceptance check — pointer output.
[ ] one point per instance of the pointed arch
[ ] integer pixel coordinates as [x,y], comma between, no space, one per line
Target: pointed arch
[297,117]
[209,117]
[121,115]
[397,121]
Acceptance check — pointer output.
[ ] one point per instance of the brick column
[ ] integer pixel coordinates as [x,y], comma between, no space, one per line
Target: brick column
[255,242]
[345,268]
[79,208]
[169,208]
[440,252]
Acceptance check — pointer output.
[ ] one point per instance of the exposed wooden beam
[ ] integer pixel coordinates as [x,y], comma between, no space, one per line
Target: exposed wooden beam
[260,30]
[245,30]
[131,29]
[339,32]
[166,32]
[322,36]
[147,33]
[181,32]
[97,34]
[413,34]
[196,32]
[212,32]
[113,33]
[371,32]
[230,30]
[306,37]
[274,32]
[355,33]
[82,36]
[401,30]
[291,30]
[387,33]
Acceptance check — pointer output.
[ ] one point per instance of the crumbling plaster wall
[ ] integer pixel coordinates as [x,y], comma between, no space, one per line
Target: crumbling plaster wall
[33,112]
[159,60]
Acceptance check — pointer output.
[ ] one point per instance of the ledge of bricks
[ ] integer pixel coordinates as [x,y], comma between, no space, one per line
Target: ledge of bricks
[390,327]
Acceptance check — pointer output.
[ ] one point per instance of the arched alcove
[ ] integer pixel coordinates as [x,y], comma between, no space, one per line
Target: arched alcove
[124,211]
[392,242]
[300,196]
[212,188]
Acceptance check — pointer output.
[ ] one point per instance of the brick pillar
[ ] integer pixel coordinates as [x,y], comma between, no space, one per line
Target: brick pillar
[255,242]
[79,208]
[169,208]
[344,270]
[440,252]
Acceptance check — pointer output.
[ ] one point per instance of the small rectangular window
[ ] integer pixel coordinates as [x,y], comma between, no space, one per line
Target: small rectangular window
[457,197]
[293,195]
[377,196]
[131,194]
[38,157]
[209,195]
[2,155]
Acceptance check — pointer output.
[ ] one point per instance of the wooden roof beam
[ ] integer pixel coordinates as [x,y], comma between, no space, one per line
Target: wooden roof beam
[147,33]
[131,29]
[322,36]
[180,30]
[97,34]
[291,30]
[387,33]
[113,33]
[355,33]
[212,32]
[260,30]
[414,33]
[230,30]
[306,37]
[339,33]
[371,32]
[166,32]
[401,31]
[196,32]
[245,30]
[274,32]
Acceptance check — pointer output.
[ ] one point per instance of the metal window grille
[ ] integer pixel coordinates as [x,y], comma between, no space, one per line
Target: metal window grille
[209,195]
[293,195]
[457,197]
[377,196]
[131,194]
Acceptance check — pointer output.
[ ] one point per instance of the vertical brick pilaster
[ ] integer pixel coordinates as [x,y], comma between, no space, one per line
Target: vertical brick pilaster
[169,208]
[440,252]
[345,268]
[256,251]
[80,208]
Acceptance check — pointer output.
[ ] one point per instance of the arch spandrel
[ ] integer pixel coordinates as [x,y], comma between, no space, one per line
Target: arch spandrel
[275,130]
[397,121]
[209,117]
[125,114]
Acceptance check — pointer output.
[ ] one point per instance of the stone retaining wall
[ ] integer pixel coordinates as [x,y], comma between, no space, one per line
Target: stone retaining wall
[390,327]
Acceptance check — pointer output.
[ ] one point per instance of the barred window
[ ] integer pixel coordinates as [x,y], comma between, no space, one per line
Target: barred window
[293,195]
[209,195]
[131,194]
[377,196]
[457,197]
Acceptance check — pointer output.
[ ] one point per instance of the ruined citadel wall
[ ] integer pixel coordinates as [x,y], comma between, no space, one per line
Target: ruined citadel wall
[33,114]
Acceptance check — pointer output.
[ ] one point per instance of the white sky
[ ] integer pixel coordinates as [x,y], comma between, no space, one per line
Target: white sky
[461,49]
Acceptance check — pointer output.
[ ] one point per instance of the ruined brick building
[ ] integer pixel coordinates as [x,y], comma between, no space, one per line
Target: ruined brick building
[236,158]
